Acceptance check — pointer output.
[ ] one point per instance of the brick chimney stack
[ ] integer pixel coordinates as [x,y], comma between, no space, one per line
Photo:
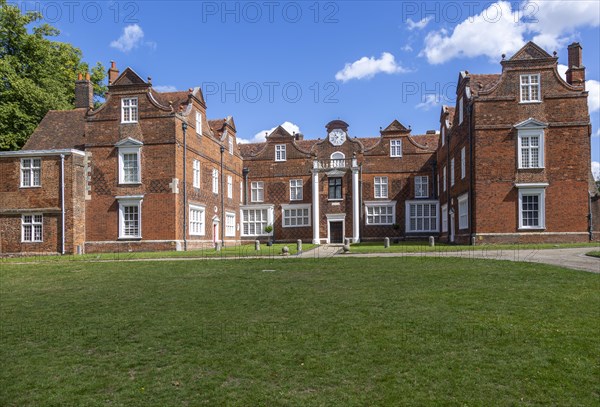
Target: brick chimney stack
[84,92]
[113,73]
[576,71]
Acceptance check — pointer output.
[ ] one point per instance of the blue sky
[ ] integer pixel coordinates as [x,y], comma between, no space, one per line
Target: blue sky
[308,62]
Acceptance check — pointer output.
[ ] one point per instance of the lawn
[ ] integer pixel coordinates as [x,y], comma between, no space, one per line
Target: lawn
[594,254]
[239,251]
[292,332]
[419,246]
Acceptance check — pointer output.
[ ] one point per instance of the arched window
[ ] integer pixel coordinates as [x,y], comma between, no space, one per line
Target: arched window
[337,160]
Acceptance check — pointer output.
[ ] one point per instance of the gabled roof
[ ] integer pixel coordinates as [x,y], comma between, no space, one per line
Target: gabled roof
[129,77]
[59,129]
[395,127]
[279,131]
[530,51]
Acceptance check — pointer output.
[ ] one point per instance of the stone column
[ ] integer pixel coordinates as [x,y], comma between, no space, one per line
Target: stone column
[315,198]
[355,202]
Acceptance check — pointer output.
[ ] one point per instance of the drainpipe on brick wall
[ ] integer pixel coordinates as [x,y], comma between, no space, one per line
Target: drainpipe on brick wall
[184,128]
[446,175]
[62,202]
[471,180]
[223,218]
[245,172]
[590,219]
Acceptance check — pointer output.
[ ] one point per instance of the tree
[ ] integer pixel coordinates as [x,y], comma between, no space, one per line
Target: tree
[36,74]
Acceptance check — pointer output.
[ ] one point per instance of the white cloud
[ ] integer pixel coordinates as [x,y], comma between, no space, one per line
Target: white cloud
[429,101]
[596,170]
[164,88]
[260,136]
[502,29]
[131,38]
[369,67]
[477,36]
[555,21]
[597,133]
[419,25]
[593,87]
[407,48]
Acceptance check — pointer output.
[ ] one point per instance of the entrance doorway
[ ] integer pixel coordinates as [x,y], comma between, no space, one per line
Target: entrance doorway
[336,232]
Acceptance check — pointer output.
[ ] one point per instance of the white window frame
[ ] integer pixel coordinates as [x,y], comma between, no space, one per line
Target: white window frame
[380,187]
[198,123]
[434,213]
[257,191]
[463,211]
[296,189]
[263,223]
[444,218]
[529,134]
[538,190]
[34,222]
[229,224]
[130,201]
[132,110]
[30,172]
[230,142]
[215,181]
[280,152]
[305,215]
[445,178]
[396,148]
[130,150]
[196,173]
[229,187]
[461,112]
[422,187]
[452,172]
[241,192]
[197,225]
[530,86]
[463,163]
[374,216]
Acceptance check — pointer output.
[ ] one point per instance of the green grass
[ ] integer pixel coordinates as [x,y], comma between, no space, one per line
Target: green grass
[594,254]
[241,251]
[419,246]
[291,332]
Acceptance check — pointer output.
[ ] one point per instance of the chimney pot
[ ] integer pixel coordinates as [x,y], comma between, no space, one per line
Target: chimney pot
[84,92]
[87,76]
[79,76]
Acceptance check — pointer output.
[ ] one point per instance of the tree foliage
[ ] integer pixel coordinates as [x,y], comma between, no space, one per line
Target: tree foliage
[36,74]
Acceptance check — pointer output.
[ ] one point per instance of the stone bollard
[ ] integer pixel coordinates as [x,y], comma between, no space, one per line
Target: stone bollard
[299,246]
[347,241]
[386,242]
[257,245]
[473,241]
[346,248]
[431,241]
[285,251]
[218,246]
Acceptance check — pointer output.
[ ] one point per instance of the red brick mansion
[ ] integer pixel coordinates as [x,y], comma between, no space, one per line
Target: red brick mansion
[148,171]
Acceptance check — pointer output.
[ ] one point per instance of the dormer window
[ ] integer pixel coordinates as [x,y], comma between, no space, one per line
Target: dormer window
[129,110]
[396,148]
[280,154]
[530,88]
[230,141]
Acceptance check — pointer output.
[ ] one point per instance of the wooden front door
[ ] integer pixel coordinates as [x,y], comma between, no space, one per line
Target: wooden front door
[336,232]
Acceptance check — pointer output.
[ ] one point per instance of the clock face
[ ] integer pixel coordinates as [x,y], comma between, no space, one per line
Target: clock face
[337,137]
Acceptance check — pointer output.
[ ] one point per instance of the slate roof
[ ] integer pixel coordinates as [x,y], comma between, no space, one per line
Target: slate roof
[59,129]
